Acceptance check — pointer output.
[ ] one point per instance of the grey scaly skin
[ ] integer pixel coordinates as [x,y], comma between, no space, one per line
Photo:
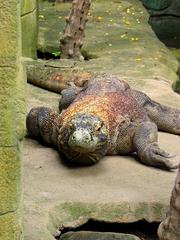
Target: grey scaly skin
[106,117]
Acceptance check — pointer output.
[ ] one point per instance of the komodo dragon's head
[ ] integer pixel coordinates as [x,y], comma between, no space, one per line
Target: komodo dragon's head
[83,139]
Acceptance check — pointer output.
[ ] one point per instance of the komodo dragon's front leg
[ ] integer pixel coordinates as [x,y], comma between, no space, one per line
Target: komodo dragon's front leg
[149,153]
[166,118]
[68,95]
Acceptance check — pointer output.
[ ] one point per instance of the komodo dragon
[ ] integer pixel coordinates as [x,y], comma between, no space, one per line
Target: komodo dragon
[106,117]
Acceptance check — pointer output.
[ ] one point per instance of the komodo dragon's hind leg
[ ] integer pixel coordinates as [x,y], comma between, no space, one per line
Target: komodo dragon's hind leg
[149,153]
[42,123]
[166,118]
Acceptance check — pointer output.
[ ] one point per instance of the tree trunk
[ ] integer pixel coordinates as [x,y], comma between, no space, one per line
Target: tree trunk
[169,229]
[72,40]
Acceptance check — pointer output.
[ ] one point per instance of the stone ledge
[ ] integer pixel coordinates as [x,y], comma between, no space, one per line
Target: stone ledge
[9,179]
[74,214]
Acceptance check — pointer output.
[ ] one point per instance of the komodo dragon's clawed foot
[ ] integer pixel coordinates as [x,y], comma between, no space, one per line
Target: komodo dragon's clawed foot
[154,156]
[145,141]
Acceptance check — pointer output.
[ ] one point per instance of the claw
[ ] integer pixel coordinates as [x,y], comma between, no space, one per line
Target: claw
[170,155]
[166,155]
[157,157]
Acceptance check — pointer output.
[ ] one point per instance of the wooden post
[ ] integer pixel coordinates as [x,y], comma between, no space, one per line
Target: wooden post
[72,40]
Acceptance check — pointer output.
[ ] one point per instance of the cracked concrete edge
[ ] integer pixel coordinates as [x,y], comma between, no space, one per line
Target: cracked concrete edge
[74,214]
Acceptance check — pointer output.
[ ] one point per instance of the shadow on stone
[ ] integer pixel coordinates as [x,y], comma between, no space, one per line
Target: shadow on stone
[107,231]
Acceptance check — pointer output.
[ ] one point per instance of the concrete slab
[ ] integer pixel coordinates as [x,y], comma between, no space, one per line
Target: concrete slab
[115,181]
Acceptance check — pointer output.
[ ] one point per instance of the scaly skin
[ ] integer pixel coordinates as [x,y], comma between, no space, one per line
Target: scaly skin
[107,117]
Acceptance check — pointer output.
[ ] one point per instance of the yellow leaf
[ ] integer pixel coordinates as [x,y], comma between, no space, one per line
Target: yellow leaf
[99,18]
[41,16]
[126,22]
[137,20]
[123,35]
[134,38]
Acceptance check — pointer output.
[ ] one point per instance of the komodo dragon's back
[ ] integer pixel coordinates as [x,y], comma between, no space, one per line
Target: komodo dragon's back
[113,102]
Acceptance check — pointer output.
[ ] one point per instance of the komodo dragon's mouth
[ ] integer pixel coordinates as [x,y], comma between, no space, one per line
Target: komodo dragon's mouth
[85,158]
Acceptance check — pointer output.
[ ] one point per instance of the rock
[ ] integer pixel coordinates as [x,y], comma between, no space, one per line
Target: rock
[167,28]
[156,4]
[164,19]
[86,235]
[176,85]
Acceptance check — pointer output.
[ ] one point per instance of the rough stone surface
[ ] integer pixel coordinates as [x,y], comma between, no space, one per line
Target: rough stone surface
[97,235]
[164,19]
[29,23]
[157,4]
[169,227]
[10,226]
[111,37]
[12,120]
[117,188]
[9,179]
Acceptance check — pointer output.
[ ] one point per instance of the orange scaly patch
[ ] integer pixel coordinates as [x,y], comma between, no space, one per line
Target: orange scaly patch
[94,105]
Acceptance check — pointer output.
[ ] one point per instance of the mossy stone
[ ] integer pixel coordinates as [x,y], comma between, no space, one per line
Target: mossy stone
[157,4]
[29,23]
[28,6]
[10,226]
[12,112]
[166,28]
[9,179]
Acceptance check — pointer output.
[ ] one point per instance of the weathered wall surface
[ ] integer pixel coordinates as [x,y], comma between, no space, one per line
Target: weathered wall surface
[29,22]
[165,19]
[12,109]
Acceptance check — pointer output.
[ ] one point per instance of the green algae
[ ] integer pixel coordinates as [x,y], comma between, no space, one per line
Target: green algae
[75,214]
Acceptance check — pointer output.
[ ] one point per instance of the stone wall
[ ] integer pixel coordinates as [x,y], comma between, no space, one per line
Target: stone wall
[29,20]
[12,112]
[165,19]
